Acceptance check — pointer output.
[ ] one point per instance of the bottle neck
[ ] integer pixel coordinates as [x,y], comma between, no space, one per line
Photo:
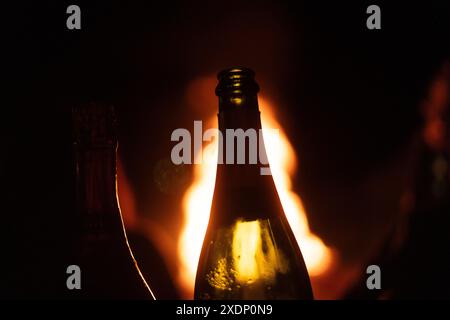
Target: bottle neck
[243,152]
[241,190]
[242,149]
[95,146]
[97,190]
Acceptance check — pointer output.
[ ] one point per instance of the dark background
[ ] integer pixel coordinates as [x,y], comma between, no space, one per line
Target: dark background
[348,98]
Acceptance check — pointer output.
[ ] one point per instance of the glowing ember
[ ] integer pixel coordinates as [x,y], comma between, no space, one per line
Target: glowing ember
[197,203]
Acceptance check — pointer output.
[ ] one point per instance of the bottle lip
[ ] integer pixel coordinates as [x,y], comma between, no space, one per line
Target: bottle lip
[236,80]
[236,71]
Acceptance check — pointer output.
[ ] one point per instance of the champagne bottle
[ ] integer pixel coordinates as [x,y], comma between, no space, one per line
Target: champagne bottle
[249,250]
[108,268]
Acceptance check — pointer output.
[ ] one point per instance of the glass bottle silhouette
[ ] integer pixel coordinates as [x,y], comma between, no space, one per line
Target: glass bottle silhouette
[108,267]
[249,250]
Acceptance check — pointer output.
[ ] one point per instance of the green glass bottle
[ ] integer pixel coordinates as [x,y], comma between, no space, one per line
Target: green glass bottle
[249,251]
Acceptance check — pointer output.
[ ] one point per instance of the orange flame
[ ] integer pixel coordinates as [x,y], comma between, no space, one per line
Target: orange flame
[197,203]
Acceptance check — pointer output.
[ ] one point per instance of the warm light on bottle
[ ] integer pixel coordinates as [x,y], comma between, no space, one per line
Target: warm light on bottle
[249,251]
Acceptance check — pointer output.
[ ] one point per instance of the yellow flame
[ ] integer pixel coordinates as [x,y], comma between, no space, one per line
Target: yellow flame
[197,203]
[283,163]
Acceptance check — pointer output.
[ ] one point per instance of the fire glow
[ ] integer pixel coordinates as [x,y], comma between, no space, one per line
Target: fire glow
[197,203]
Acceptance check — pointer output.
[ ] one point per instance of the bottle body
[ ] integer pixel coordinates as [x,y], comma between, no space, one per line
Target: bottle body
[108,268]
[249,251]
[251,259]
